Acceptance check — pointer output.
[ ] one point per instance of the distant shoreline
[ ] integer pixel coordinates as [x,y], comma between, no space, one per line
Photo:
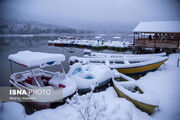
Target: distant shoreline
[42,35]
[28,35]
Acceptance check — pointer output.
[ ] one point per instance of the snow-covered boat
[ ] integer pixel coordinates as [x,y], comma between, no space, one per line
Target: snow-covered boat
[87,52]
[128,88]
[127,64]
[60,85]
[108,55]
[95,44]
[88,76]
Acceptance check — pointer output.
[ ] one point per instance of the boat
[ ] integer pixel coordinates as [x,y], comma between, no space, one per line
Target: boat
[111,55]
[87,52]
[130,65]
[88,76]
[60,85]
[128,88]
[98,44]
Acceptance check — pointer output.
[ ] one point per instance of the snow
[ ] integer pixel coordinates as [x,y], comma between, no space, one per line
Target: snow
[34,59]
[93,43]
[94,54]
[164,83]
[12,111]
[118,74]
[158,26]
[87,51]
[147,97]
[116,37]
[70,86]
[88,75]
[144,60]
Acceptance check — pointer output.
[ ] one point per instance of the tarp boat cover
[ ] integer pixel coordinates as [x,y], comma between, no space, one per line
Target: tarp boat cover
[36,59]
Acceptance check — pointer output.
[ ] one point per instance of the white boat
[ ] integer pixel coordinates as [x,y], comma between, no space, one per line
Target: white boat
[87,52]
[88,76]
[110,55]
[97,44]
[127,64]
[60,85]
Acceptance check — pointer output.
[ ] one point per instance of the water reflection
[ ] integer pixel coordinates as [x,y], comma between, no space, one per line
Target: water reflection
[10,45]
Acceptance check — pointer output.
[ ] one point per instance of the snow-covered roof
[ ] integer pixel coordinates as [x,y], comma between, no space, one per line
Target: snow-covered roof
[157,26]
[36,59]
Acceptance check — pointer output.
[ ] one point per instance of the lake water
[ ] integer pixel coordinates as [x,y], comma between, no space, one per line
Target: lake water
[11,45]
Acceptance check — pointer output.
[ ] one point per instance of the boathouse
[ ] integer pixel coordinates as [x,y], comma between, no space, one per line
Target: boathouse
[162,36]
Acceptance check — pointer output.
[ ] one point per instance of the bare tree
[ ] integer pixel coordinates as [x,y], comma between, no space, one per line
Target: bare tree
[87,106]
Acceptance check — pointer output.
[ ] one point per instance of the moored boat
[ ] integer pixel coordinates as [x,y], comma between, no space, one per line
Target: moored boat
[128,88]
[110,55]
[88,43]
[60,85]
[127,65]
[87,76]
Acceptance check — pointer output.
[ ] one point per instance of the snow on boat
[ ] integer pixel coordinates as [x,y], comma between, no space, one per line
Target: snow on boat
[128,88]
[94,54]
[60,84]
[87,52]
[95,44]
[86,76]
[127,64]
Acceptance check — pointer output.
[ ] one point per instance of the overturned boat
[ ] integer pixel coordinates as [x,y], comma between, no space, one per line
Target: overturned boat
[89,77]
[60,85]
[128,64]
[128,88]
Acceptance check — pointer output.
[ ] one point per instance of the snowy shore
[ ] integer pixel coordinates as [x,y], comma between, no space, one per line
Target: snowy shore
[106,105]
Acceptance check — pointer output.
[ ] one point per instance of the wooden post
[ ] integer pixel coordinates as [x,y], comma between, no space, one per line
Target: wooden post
[145,40]
[178,39]
[155,44]
[134,39]
[178,62]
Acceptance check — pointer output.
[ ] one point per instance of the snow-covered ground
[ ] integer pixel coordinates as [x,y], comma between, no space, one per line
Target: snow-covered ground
[106,105]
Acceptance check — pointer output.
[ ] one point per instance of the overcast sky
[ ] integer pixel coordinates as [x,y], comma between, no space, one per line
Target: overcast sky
[92,14]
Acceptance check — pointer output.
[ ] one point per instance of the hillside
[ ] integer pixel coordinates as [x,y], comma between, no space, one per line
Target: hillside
[32,27]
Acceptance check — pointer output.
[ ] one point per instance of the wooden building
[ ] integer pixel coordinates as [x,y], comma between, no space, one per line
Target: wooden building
[157,35]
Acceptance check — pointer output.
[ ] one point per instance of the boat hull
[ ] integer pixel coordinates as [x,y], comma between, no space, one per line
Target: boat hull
[140,69]
[98,87]
[142,106]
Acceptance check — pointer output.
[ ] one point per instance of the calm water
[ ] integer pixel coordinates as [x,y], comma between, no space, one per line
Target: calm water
[10,45]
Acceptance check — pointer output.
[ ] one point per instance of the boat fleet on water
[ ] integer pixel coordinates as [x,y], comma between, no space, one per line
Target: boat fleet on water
[97,44]
[90,72]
